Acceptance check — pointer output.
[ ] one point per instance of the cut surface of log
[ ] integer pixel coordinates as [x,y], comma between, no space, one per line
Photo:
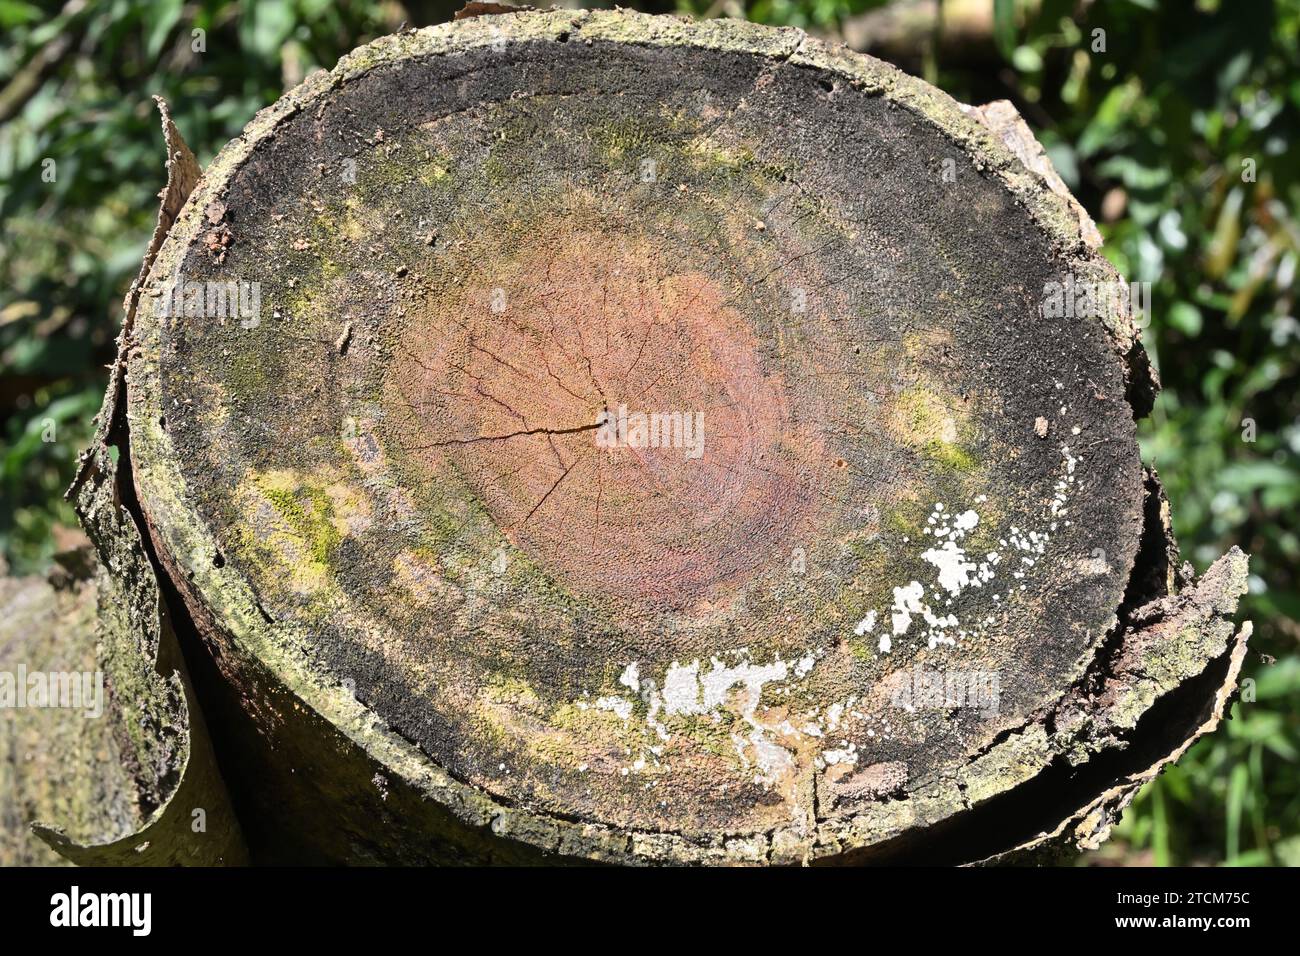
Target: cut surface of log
[645,440]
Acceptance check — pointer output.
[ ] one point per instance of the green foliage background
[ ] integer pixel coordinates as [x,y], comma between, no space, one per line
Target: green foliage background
[1154,133]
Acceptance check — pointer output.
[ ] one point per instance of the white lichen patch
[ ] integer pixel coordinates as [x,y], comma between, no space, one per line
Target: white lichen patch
[957,571]
[716,690]
[616,705]
[846,754]
[630,678]
[687,691]
[866,625]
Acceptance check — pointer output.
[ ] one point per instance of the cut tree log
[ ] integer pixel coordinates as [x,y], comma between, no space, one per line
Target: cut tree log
[595,436]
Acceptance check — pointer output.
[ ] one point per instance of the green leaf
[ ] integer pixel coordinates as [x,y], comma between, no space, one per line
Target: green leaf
[1004,27]
[163,16]
[1186,318]
[1238,783]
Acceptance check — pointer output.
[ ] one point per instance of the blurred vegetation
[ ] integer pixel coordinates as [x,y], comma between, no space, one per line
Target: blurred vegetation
[1180,135]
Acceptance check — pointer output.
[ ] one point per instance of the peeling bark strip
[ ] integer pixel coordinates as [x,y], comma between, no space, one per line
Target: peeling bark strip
[906,592]
[178,811]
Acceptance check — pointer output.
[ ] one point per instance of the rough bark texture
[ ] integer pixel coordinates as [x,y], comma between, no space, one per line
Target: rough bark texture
[54,762]
[436,618]
[179,809]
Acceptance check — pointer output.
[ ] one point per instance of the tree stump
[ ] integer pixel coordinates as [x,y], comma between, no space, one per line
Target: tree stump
[595,436]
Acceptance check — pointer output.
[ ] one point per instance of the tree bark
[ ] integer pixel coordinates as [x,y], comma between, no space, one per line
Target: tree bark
[592,436]
[47,625]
